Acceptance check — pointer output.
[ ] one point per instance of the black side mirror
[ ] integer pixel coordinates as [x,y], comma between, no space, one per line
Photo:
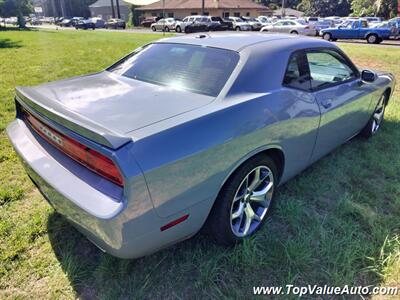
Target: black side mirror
[368,76]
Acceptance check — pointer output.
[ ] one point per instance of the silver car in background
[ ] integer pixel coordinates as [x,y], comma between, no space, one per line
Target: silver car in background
[290,26]
[239,24]
[254,23]
[167,25]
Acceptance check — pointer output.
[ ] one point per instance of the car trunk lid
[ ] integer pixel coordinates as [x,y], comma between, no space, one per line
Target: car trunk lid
[104,107]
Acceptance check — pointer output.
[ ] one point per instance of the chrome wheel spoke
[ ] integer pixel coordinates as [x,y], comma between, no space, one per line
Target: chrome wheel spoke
[250,214]
[239,212]
[237,198]
[256,181]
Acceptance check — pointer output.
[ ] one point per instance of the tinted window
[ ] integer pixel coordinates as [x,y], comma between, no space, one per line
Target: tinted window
[198,69]
[296,75]
[327,68]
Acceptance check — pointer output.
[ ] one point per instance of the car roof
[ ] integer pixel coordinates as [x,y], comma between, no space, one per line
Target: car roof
[239,41]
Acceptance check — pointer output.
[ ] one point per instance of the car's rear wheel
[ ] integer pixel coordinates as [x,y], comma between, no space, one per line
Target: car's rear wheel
[327,36]
[238,28]
[153,28]
[242,205]
[166,29]
[375,122]
[372,39]
[294,32]
[178,29]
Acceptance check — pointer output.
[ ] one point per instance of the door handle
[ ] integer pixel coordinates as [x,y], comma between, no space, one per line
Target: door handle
[326,103]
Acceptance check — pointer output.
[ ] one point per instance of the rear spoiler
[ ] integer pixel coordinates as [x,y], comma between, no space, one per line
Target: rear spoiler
[36,102]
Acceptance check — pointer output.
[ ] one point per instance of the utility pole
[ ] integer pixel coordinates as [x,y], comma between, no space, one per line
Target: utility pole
[202,7]
[118,12]
[283,8]
[112,9]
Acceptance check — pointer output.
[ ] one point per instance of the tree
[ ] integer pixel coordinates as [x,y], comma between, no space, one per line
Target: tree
[325,8]
[381,8]
[274,4]
[19,8]
[64,8]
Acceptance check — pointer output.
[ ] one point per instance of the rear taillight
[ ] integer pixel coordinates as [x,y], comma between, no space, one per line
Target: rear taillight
[90,158]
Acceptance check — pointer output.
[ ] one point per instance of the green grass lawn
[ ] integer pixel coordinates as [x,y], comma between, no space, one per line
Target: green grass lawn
[337,223]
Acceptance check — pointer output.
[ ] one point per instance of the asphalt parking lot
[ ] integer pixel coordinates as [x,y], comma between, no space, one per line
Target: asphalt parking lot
[386,43]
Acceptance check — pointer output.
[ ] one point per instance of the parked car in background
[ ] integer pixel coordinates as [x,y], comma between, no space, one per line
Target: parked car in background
[98,22]
[35,21]
[85,24]
[167,25]
[75,20]
[191,132]
[115,24]
[207,22]
[254,23]
[147,22]
[373,19]
[323,24]
[191,24]
[223,23]
[290,26]
[311,20]
[264,20]
[357,29]
[65,22]
[239,24]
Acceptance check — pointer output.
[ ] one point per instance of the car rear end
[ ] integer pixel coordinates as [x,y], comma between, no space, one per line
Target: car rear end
[90,177]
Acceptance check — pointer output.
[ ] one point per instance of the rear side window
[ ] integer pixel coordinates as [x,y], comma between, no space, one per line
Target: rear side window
[201,70]
[328,68]
[297,75]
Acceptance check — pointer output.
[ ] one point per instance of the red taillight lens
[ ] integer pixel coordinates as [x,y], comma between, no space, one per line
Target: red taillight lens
[91,159]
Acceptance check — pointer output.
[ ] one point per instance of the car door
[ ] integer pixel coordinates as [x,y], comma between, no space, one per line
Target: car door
[343,99]
[343,31]
[278,27]
[160,24]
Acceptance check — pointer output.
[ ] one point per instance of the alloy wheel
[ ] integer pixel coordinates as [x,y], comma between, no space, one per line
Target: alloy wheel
[378,115]
[251,201]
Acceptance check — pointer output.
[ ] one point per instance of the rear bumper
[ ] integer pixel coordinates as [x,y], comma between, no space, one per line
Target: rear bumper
[127,229]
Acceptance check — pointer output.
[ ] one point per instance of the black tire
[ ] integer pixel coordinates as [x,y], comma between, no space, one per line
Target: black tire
[219,220]
[178,29]
[153,28]
[375,123]
[294,32]
[166,29]
[238,28]
[327,36]
[372,39]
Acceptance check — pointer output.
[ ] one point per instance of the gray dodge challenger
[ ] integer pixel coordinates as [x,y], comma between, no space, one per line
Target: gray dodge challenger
[189,132]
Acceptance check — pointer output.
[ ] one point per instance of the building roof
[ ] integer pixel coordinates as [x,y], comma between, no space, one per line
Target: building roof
[239,41]
[209,4]
[289,12]
[107,3]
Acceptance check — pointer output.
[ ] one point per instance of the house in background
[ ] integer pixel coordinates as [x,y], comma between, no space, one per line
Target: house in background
[289,12]
[223,8]
[103,9]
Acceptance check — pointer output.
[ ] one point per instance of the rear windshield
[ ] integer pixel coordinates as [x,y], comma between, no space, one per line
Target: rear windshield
[198,69]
